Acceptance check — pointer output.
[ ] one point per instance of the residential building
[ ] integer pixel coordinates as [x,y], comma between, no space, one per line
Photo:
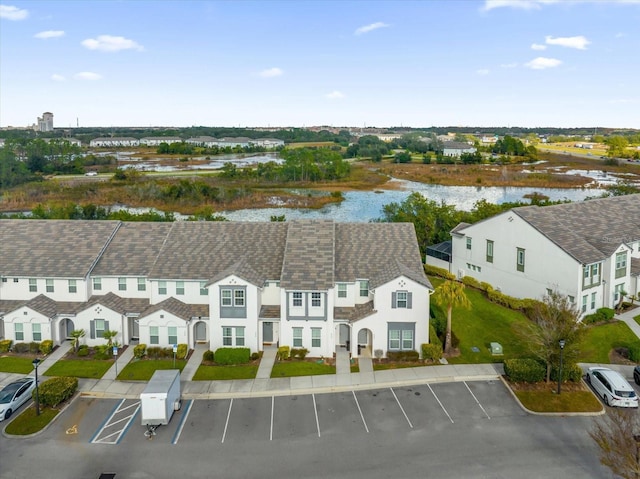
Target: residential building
[313,284]
[110,142]
[267,142]
[456,148]
[156,140]
[588,251]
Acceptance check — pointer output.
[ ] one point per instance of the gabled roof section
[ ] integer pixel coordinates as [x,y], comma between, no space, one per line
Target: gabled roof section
[133,250]
[200,250]
[173,306]
[9,305]
[458,229]
[118,304]
[241,269]
[43,305]
[378,252]
[591,230]
[309,257]
[52,248]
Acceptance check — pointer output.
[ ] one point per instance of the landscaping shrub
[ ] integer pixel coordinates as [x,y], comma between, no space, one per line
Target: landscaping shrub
[433,336]
[46,346]
[431,352]
[299,353]
[602,315]
[183,350]
[403,356]
[154,352]
[207,356]
[255,356]
[283,353]
[441,272]
[570,372]
[232,355]
[5,345]
[83,350]
[55,390]
[524,370]
[486,287]
[634,353]
[20,348]
[471,281]
[34,347]
[139,350]
[438,319]
[102,352]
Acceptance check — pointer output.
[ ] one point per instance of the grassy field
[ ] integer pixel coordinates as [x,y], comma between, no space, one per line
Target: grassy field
[11,364]
[80,368]
[300,368]
[144,369]
[212,373]
[28,423]
[601,339]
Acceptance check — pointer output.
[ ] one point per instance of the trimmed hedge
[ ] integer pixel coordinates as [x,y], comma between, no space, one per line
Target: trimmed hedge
[524,370]
[20,348]
[403,356]
[299,353]
[570,372]
[208,356]
[46,346]
[602,315]
[232,355]
[56,390]
[283,353]
[435,271]
[433,336]
[182,352]
[472,282]
[139,350]
[5,345]
[431,352]
[34,347]
[634,354]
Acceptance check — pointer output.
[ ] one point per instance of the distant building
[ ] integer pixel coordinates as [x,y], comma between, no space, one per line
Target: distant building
[455,148]
[45,123]
[115,141]
[267,142]
[156,140]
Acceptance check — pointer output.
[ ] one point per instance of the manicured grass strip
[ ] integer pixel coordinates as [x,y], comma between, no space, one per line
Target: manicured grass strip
[549,401]
[300,368]
[28,423]
[601,339]
[16,365]
[142,370]
[355,368]
[240,371]
[637,319]
[385,366]
[80,368]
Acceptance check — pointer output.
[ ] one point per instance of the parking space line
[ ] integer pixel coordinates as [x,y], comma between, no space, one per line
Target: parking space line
[474,397]
[135,404]
[361,415]
[441,405]
[187,410]
[315,409]
[273,400]
[401,408]
[106,420]
[226,424]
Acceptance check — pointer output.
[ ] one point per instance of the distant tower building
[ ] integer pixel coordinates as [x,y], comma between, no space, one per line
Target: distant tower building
[45,123]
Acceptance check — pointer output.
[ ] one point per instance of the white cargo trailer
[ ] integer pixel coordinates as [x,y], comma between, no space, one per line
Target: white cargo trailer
[160,399]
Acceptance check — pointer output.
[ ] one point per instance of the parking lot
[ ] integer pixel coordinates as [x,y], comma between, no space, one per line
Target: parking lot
[314,416]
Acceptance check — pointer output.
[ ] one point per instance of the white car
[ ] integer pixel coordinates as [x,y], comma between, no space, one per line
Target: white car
[614,389]
[91,173]
[14,395]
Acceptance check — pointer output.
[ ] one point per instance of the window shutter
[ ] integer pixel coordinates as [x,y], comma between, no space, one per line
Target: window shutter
[92,329]
[409,300]
[106,323]
[393,299]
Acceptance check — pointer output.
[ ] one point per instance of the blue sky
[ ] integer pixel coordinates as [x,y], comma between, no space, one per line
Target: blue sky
[531,63]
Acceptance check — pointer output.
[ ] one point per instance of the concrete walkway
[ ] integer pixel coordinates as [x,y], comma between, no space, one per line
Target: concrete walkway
[267,361]
[123,359]
[194,362]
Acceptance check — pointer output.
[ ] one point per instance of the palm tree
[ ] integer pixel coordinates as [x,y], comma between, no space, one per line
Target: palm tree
[109,335]
[76,334]
[450,294]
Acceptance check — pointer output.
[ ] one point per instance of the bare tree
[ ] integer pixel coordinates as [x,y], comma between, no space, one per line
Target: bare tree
[618,436]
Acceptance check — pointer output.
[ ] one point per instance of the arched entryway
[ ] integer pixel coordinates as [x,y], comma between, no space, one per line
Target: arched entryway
[365,342]
[66,328]
[200,332]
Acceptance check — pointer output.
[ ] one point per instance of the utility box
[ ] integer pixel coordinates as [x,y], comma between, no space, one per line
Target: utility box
[160,398]
[496,349]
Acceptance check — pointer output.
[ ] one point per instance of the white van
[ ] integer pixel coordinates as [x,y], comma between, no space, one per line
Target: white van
[614,389]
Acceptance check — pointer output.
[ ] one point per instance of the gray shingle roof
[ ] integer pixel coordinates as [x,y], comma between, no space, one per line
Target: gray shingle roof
[43,305]
[269,312]
[52,248]
[174,306]
[590,230]
[243,270]
[359,311]
[119,304]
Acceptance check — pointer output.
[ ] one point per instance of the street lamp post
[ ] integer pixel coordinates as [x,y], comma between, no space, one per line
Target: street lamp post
[561,343]
[35,363]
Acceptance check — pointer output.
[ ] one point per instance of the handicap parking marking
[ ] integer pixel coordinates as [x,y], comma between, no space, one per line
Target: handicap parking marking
[117,424]
[476,399]
[440,402]
[183,419]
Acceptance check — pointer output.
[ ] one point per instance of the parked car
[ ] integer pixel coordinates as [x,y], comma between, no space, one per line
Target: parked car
[91,173]
[14,395]
[636,374]
[614,389]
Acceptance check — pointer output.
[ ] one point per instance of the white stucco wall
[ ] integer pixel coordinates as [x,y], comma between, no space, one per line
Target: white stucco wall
[10,289]
[163,320]
[27,317]
[83,321]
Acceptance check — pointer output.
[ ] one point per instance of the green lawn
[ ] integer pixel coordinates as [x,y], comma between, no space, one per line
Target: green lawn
[80,368]
[549,401]
[385,366]
[484,323]
[300,368]
[142,370]
[11,364]
[28,423]
[601,339]
[637,319]
[240,371]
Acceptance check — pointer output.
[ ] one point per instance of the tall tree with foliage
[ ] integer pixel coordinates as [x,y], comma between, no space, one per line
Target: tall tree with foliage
[450,294]
[617,435]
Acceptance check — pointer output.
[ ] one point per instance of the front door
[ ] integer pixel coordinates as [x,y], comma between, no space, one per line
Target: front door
[134,329]
[344,334]
[267,332]
[201,332]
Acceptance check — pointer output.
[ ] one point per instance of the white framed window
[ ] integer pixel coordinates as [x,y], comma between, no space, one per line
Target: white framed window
[203,288]
[172,334]
[593,300]
[297,298]
[36,331]
[122,284]
[227,336]
[585,298]
[394,339]
[142,284]
[238,298]
[179,288]
[401,299]
[316,337]
[239,336]
[316,300]
[19,330]
[233,336]
[468,243]
[489,251]
[364,288]
[162,287]
[226,297]
[407,339]
[73,287]
[16,280]
[99,325]
[49,285]
[621,264]
[520,259]
[342,290]
[33,285]
[297,337]
[572,299]
[154,337]
[97,284]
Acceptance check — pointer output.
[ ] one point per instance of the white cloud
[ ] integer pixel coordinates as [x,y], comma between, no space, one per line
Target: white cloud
[50,34]
[580,42]
[13,13]
[271,72]
[108,43]
[56,77]
[537,4]
[542,63]
[369,28]
[508,65]
[482,71]
[537,46]
[335,95]
[87,76]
